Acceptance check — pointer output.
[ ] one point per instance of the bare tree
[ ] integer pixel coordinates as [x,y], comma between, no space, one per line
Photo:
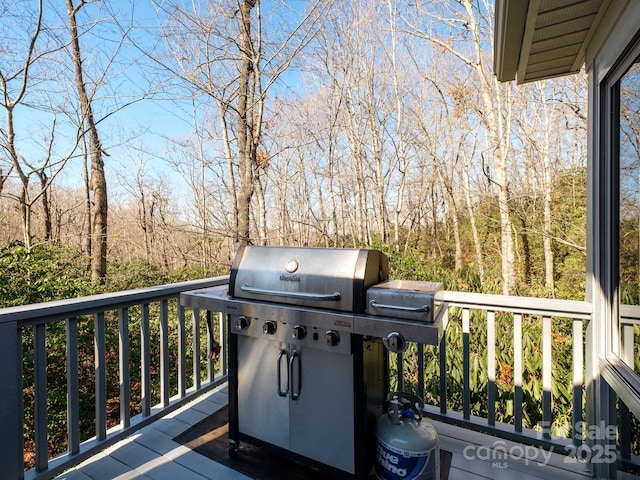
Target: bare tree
[98,181]
[495,111]
[15,81]
[218,49]
[9,102]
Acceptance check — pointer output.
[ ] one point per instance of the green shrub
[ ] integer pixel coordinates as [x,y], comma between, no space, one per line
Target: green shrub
[49,271]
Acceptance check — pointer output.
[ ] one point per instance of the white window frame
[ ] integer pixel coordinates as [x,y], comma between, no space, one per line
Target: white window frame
[620,377]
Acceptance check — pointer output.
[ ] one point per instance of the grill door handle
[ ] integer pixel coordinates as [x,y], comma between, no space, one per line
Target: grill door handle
[323,297]
[295,394]
[283,353]
[424,308]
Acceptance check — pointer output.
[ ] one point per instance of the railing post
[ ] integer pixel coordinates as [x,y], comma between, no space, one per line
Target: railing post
[11,406]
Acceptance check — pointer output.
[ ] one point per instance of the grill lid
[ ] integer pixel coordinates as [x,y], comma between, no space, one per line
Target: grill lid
[406,299]
[332,278]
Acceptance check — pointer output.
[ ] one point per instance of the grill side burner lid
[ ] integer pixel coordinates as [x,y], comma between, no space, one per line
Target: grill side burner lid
[405,299]
[332,278]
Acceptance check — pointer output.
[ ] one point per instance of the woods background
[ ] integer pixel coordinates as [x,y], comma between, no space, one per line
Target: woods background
[352,123]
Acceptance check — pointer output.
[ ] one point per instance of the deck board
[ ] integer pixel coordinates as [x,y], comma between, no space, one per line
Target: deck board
[479,454]
[151,454]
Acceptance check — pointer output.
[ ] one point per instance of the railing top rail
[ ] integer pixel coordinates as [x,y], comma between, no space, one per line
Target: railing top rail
[59,309]
[528,305]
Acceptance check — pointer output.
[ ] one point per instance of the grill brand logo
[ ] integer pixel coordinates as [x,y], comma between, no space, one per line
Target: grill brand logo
[342,323]
[289,278]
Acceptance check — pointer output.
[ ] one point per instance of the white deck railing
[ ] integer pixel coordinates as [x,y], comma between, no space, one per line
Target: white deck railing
[18,324]
[443,375]
[471,344]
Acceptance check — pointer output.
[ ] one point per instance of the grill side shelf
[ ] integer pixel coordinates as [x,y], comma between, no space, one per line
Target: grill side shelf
[428,333]
[217,299]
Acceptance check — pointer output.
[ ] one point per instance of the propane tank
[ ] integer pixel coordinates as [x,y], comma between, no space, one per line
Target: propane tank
[407,445]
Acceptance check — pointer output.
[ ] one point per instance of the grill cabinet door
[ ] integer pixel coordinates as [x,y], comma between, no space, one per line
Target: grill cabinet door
[262,412]
[321,419]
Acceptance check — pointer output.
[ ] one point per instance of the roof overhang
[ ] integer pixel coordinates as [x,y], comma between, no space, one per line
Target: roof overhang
[540,39]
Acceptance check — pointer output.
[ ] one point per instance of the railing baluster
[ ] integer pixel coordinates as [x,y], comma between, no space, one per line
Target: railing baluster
[624,426]
[517,371]
[442,353]
[196,347]
[40,397]
[182,376]
[491,367]
[125,383]
[101,375]
[223,343]
[145,360]
[578,375]
[73,407]
[466,370]
[400,361]
[421,371]
[164,352]
[546,376]
[627,345]
[210,366]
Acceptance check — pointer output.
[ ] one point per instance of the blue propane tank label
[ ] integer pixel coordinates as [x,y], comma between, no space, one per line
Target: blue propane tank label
[394,464]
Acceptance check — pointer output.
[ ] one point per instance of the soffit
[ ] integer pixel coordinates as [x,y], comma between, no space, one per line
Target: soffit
[551,41]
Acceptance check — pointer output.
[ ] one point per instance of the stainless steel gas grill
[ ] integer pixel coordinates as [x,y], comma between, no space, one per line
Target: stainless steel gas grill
[308,365]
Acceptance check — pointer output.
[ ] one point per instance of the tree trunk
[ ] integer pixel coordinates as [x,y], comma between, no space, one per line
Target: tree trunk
[496,99]
[25,209]
[548,186]
[46,207]
[472,220]
[223,108]
[493,96]
[98,181]
[262,211]
[245,150]
[87,200]
[402,158]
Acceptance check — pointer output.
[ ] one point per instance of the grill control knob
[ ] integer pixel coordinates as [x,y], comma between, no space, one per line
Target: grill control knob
[395,342]
[242,323]
[332,338]
[299,332]
[269,327]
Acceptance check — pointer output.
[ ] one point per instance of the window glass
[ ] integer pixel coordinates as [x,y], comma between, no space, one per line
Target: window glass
[629,214]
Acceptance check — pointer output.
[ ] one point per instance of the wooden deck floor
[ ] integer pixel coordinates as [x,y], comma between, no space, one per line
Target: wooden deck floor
[151,453]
